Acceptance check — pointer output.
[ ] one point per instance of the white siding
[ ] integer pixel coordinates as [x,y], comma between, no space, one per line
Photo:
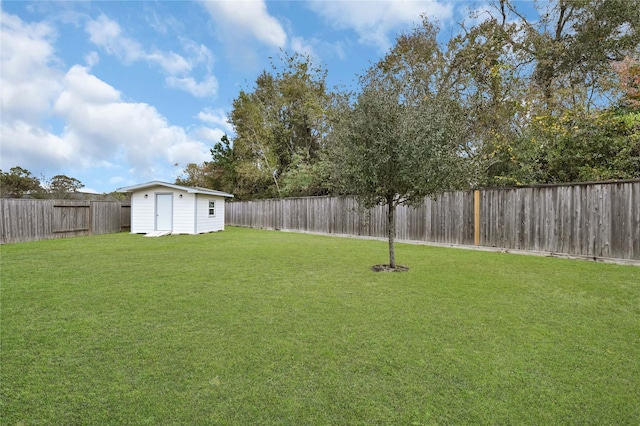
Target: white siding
[190,213]
[204,222]
[183,212]
[142,212]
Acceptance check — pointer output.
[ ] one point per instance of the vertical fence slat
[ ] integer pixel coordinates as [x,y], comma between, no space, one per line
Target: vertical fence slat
[32,220]
[593,219]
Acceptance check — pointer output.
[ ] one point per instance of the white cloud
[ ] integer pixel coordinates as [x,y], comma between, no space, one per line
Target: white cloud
[117,181]
[107,34]
[374,21]
[198,53]
[245,28]
[28,81]
[29,84]
[98,129]
[317,48]
[212,135]
[170,62]
[92,59]
[217,117]
[163,24]
[93,89]
[304,47]
[95,115]
[209,134]
[104,32]
[207,87]
[247,18]
[183,152]
[32,147]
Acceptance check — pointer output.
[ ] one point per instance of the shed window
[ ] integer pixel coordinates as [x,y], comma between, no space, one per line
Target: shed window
[212,208]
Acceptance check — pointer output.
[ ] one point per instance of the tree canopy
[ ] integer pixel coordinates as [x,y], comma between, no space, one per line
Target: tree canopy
[402,140]
[281,127]
[62,186]
[19,182]
[551,98]
[524,79]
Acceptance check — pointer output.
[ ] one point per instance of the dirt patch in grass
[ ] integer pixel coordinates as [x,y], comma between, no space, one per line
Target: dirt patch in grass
[387,268]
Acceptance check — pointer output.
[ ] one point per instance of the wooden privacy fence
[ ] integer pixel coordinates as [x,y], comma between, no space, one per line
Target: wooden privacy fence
[600,220]
[31,220]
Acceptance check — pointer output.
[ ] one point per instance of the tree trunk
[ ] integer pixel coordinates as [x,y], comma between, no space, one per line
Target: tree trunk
[391,231]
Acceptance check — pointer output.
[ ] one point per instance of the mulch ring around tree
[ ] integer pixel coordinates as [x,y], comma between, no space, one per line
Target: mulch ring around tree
[387,268]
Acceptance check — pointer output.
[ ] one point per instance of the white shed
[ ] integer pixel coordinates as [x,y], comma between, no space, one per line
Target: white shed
[160,207]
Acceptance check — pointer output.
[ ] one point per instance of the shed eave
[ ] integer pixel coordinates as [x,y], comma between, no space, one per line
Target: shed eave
[188,189]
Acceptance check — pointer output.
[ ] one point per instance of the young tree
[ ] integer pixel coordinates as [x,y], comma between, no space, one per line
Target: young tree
[405,137]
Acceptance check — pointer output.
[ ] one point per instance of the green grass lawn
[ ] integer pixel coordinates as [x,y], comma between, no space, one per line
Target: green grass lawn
[249,327]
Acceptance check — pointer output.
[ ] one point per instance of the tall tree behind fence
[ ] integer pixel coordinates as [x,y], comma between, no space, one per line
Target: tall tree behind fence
[599,220]
[31,220]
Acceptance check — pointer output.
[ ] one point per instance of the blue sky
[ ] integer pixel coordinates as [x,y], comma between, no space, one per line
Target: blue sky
[118,93]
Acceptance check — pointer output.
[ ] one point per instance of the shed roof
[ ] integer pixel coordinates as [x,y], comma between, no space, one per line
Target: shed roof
[189,189]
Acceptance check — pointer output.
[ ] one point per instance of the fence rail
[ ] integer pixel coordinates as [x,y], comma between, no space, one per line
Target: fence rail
[600,220]
[31,220]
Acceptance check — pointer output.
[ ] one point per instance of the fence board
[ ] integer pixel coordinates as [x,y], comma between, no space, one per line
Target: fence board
[71,218]
[106,217]
[599,219]
[32,220]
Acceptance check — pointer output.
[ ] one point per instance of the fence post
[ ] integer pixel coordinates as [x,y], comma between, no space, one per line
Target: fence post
[476,217]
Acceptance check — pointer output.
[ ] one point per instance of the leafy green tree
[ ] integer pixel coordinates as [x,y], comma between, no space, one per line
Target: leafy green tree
[572,45]
[402,140]
[223,166]
[117,196]
[305,178]
[522,79]
[18,182]
[281,128]
[196,175]
[62,186]
[600,145]
[258,168]
[493,89]
[219,174]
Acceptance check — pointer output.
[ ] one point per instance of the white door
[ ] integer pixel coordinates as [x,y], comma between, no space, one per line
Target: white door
[164,212]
